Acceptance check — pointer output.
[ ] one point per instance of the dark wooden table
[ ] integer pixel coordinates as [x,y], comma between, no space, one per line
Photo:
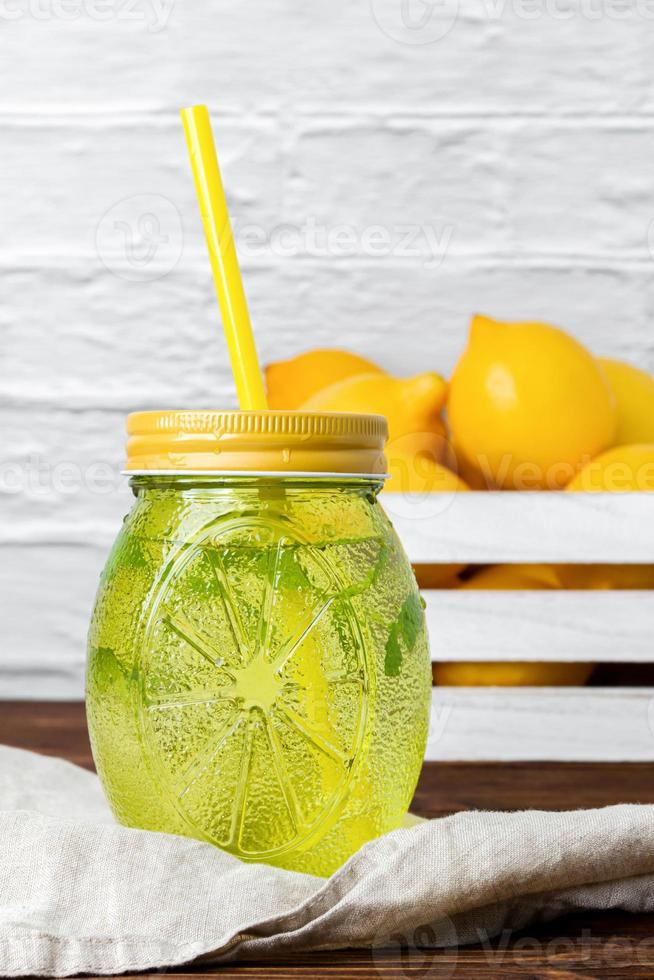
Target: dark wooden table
[597,946]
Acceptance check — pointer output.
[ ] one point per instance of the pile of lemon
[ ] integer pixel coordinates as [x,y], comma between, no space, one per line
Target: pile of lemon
[527,408]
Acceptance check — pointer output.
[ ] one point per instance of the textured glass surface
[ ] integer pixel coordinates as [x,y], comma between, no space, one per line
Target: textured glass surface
[258,671]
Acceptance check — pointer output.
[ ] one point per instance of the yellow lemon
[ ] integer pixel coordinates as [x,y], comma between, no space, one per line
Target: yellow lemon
[412,406]
[606,576]
[518,674]
[414,467]
[507,577]
[438,576]
[289,383]
[505,673]
[623,468]
[528,403]
[473,476]
[634,395]
[620,469]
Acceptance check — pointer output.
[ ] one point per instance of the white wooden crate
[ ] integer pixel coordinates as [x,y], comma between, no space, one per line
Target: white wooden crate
[581,724]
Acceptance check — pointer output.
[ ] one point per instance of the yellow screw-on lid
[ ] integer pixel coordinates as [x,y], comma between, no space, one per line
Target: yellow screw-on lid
[256,442]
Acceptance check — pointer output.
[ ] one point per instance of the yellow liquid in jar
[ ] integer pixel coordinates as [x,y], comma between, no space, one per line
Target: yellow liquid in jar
[258,671]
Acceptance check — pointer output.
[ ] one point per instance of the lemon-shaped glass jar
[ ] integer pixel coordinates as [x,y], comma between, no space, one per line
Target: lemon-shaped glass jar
[258,671]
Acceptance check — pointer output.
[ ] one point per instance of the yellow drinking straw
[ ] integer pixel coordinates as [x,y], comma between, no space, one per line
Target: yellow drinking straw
[224,262]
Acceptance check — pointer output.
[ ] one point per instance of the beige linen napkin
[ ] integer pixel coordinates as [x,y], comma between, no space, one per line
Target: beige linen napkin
[80,894]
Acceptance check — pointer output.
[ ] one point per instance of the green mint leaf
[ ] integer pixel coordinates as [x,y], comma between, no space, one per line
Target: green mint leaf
[410,619]
[393,659]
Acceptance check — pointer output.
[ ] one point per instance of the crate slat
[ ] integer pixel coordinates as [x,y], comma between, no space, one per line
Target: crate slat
[557,625]
[527,724]
[524,527]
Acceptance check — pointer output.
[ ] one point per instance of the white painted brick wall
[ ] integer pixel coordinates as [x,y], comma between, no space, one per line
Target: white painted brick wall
[523,139]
